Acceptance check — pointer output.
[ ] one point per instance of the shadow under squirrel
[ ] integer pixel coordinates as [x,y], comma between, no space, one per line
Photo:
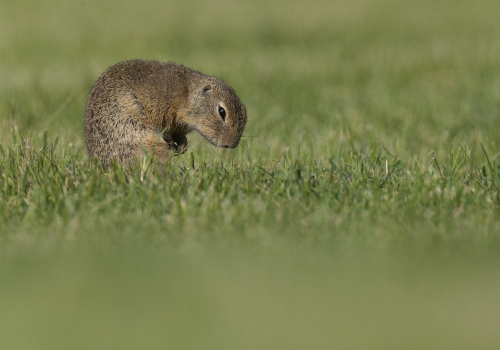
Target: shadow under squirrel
[146,106]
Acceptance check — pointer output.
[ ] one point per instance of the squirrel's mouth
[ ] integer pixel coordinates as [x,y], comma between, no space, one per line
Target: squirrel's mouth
[223,144]
[232,145]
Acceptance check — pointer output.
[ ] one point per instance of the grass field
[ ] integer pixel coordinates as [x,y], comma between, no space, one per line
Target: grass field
[362,210]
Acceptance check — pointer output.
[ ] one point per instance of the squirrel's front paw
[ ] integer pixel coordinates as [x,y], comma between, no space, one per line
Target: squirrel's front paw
[180,143]
[177,143]
[180,148]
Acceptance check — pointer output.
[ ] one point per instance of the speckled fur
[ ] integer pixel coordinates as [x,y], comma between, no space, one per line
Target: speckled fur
[145,106]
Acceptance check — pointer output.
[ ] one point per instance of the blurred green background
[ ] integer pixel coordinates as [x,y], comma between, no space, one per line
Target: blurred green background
[241,254]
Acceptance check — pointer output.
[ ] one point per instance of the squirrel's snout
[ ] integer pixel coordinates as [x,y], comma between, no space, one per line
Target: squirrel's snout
[229,142]
[230,145]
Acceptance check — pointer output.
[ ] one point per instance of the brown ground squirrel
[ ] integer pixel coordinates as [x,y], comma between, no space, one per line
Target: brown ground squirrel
[146,106]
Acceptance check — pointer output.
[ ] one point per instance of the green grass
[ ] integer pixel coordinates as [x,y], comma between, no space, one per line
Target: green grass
[362,210]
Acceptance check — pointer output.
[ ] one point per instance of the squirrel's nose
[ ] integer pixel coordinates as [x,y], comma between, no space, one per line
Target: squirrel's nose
[230,143]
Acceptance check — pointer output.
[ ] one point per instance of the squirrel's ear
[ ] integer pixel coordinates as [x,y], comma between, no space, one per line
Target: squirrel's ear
[207,89]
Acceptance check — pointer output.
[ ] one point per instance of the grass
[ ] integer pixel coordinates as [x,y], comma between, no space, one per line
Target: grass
[361,211]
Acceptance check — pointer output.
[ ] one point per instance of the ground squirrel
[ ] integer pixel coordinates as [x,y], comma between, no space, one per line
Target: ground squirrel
[146,106]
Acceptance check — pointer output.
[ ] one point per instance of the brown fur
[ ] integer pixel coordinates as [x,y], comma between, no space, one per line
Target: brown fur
[145,106]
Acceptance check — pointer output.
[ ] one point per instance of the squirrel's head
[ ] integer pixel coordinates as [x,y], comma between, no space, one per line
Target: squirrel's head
[216,112]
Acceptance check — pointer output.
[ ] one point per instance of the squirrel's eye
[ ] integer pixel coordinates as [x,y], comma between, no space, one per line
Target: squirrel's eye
[222,113]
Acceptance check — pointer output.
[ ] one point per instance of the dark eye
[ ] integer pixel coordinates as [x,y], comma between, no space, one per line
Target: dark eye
[222,113]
